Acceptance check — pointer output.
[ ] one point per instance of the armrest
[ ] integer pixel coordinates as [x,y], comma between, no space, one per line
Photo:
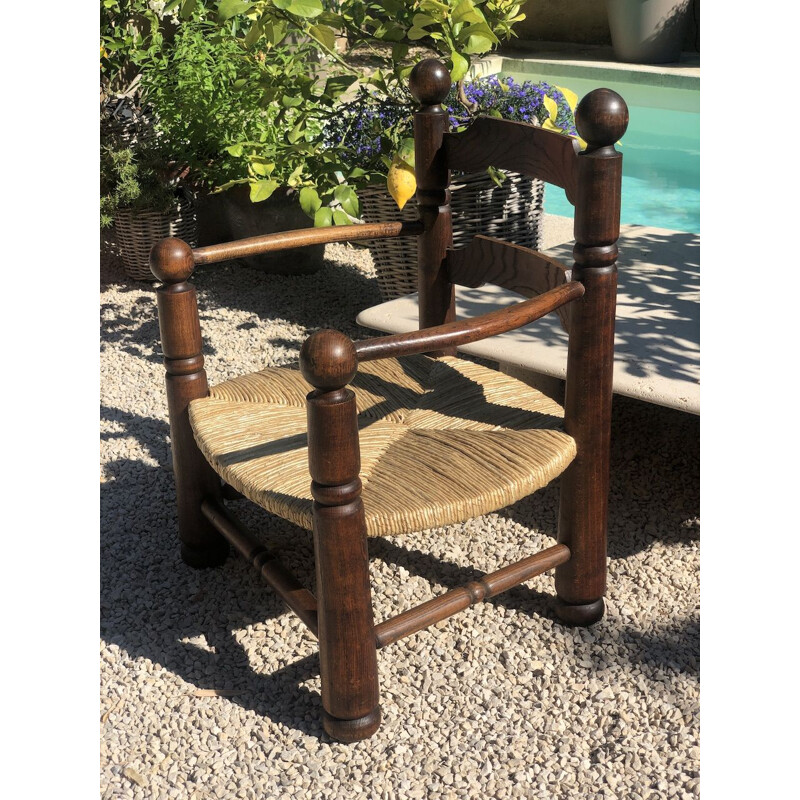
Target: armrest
[455,334]
[286,240]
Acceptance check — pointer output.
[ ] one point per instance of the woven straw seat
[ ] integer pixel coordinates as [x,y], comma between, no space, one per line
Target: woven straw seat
[468,439]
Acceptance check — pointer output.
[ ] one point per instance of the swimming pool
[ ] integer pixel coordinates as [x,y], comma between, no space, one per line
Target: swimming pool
[661,148]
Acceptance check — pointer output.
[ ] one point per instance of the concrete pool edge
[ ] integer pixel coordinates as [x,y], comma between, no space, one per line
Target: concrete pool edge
[594,64]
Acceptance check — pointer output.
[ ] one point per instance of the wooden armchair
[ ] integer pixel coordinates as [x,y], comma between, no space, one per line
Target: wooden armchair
[432,439]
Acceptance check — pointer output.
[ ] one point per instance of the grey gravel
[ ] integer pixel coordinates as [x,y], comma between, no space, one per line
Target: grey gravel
[500,701]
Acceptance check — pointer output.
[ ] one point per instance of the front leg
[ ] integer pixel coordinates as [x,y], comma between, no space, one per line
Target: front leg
[347,645]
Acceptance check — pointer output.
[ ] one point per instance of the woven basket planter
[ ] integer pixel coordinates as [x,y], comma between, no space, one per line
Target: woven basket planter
[137,231]
[511,212]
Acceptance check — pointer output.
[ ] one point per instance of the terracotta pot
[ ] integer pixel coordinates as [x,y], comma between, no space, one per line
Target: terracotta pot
[229,215]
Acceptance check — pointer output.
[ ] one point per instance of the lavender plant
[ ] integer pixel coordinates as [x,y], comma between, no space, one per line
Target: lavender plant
[371,129]
[523,102]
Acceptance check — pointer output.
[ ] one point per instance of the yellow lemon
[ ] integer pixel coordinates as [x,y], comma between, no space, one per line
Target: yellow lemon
[401,182]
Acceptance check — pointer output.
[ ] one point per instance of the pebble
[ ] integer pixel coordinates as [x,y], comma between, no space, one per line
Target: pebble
[499,701]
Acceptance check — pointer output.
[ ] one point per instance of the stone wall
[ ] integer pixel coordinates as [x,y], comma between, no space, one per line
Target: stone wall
[584,22]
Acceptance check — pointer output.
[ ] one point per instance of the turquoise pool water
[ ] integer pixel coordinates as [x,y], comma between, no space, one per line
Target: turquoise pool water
[661,149]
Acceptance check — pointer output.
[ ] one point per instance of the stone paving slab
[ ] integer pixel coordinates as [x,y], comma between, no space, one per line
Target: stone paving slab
[657,350]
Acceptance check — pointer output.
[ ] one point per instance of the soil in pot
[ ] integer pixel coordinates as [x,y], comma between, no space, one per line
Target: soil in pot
[229,215]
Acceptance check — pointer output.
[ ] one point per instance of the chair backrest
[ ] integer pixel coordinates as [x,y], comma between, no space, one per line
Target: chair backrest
[591,179]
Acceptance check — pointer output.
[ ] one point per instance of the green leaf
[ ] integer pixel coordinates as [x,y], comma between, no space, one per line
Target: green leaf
[390,32]
[228,185]
[477,44]
[275,31]
[496,175]
[187,8]
[340,218]
[421,20]
[291,102]
[262,168]
[399,51]
[167,8]
[230,8]
[301,8]
[323,34]
[262,190]
[477,38]
[465,11]
[323,218]
[348,199]
[309,201]
[405,151]
[235,150]
[415,33]
[460,66]
[435,7]
[338,85]
[294,178]
[297,131]
[252,35]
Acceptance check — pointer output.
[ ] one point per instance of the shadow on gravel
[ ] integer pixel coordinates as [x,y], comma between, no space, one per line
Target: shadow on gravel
[655,480]
[674,647]
[150,432]
[329,298]
[435,570]
[154,606]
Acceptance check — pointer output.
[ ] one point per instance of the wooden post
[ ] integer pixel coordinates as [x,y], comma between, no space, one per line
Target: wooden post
[429,83]
[347,646]
[601,119]
[172,262]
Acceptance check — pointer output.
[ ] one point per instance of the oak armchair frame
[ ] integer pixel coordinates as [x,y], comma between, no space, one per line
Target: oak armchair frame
[341,613]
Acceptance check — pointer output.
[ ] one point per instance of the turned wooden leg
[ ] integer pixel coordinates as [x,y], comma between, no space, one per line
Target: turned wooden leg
[347,646]
[601,119]
[429,83]
[172,263]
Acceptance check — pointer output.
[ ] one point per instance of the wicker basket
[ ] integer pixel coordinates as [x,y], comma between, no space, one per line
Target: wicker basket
[512,212]
[137,231]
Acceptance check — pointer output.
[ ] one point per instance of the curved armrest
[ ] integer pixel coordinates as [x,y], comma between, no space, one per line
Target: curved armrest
[455,334]
[286,240]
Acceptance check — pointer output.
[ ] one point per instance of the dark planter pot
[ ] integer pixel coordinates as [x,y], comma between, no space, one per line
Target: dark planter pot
[230,215]
[648,31]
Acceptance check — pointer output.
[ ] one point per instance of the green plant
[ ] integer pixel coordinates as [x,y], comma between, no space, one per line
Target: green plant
[207,93]
[247,91]
[134,177]
[130,32]
[322,165]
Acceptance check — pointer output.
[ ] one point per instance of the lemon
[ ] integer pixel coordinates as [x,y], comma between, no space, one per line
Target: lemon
[401,182]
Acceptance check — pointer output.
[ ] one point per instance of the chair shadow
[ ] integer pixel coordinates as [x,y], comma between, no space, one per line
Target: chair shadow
[645,503]
[212,605]
[151,603]
[329,298]
[657,331]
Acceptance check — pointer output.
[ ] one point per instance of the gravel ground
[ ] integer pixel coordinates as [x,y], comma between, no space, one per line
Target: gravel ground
[210,689]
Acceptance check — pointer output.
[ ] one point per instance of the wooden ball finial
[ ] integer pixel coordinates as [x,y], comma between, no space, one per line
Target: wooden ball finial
[171,260]
[429,82]
[328,360]
[601,118]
